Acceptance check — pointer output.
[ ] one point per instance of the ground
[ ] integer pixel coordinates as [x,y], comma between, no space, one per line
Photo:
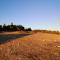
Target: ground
[38,46]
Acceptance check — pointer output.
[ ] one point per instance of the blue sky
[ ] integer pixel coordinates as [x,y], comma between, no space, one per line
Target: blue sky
[37,14]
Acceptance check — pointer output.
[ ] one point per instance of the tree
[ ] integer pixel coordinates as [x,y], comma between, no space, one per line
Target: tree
[8,28]
[0,27]
[21,28]
[13,27]
[4,27]
[28,29]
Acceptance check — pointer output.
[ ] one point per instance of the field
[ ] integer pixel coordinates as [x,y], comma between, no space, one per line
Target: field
[28,46]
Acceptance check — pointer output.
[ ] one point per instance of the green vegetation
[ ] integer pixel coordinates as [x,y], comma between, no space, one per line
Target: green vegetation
[13,27]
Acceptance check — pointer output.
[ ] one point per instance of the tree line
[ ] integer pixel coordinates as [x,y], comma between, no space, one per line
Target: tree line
[13,27]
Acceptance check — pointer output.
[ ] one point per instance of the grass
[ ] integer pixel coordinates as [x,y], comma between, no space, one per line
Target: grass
[38,46]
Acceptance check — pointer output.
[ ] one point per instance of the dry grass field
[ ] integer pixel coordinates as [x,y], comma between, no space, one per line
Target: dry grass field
[23,46]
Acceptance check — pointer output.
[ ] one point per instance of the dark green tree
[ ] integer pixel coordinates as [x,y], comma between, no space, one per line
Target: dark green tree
[28,29]
[8,28]
[21,28]
[4,27]
[0,28]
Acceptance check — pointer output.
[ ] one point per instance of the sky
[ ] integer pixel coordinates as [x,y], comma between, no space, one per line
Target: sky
[37,14]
